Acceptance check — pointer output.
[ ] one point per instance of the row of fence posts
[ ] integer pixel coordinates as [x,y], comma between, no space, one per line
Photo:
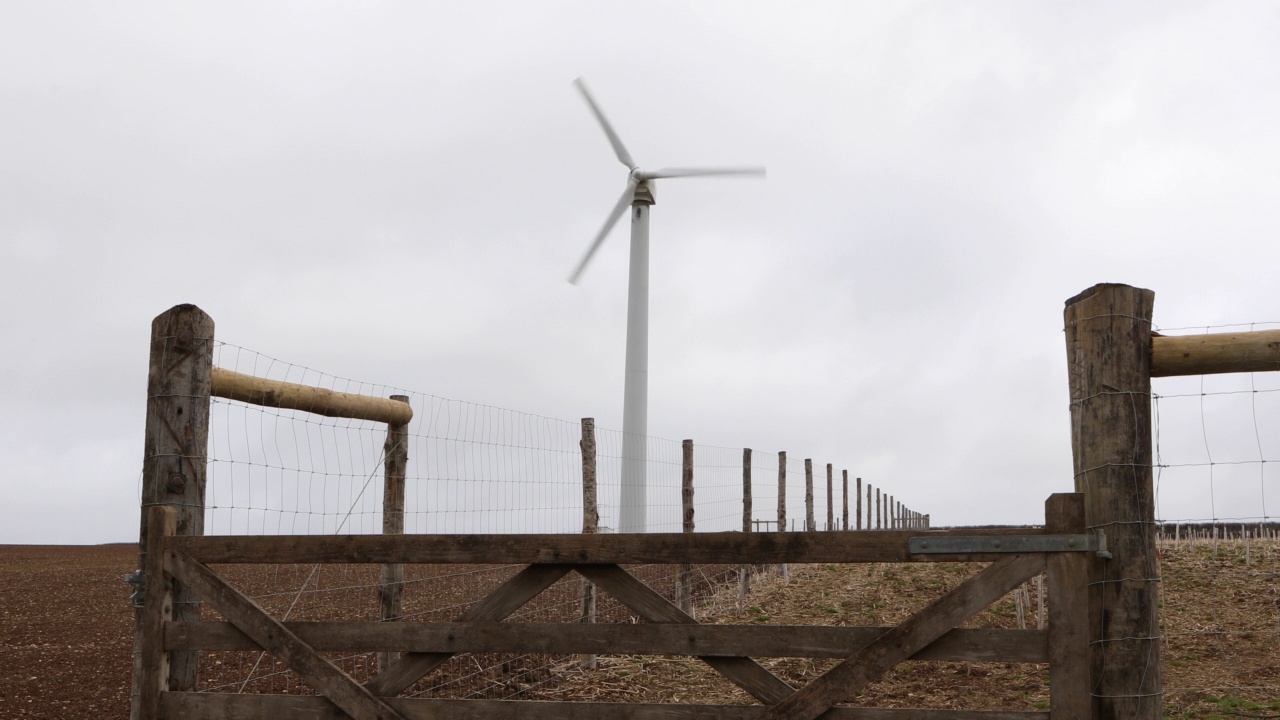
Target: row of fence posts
[885,513]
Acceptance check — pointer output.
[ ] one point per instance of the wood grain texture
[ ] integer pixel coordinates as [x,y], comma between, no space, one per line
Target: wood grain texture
[729,548]
[217,706]
[782,491]
[1108,338]
[175,447]
[1068,576]
[157,609]
[314,669]
[924,627]
[741,671]
[1214,353]
[590,524]
[808,495]
[318,401]
[395,462]
[684,579]
[815,641]
[497,605]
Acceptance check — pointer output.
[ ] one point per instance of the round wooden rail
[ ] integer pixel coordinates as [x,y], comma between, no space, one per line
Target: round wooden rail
[1215,353]
[292,396]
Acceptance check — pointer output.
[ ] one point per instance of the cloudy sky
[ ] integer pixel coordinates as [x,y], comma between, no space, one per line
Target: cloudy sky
[396,192]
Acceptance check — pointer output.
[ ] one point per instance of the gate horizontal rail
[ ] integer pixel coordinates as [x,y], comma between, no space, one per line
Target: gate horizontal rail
[811,641]
[638,548]
[867,653]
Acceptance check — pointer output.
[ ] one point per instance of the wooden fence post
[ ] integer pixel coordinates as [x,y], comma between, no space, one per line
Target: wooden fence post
[157,608]
[782,491]
[831,517]
[844,493]
[590,524]
[1067,573]
[744,571]
[782,502]
[684,588]
[395,464]
[808,495]
[879,513]
[859,513]
[175,455]
[1108,332]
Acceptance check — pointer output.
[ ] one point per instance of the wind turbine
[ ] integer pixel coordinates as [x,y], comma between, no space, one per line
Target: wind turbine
[639,194]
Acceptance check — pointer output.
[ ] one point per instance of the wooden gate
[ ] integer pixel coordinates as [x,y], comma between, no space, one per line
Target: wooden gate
[932,633]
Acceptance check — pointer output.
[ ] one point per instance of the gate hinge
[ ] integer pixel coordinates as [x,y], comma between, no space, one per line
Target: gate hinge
[138,579]
[984,544]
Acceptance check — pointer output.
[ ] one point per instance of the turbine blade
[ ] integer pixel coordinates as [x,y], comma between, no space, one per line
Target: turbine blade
[756,170]
[627,196]
[623,156]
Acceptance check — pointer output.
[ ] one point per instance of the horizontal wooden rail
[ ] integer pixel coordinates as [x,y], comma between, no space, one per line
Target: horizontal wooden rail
[292,396]
[218,706]
[1215,353]
[814,641]
[733,548]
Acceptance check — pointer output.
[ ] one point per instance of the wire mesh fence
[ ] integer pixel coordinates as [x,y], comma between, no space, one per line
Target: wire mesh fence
[472,469]
[1217,457]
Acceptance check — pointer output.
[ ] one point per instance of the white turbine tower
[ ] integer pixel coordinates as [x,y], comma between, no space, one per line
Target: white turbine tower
[635,411]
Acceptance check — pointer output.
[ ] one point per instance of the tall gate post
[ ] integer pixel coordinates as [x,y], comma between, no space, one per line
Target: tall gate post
[1108,329]
[175,453]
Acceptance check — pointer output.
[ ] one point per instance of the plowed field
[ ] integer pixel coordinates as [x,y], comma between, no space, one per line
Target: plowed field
[66,635]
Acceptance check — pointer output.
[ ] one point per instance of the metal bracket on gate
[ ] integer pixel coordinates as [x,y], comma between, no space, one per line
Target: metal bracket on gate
[138,579]
[984,544]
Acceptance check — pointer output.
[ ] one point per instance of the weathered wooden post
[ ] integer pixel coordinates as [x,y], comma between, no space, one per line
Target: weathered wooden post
[879,513]
[869,506]
[395,463]
[782,502]
[808,495]
[175,450]
[844,494]
[744,571]
[1068,611]
[684,588]
[858,514]
[152,676]
[831,518]
[590,524]
[1108,332]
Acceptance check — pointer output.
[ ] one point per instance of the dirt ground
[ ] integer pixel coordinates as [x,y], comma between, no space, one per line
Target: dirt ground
[66,634]
[66,631]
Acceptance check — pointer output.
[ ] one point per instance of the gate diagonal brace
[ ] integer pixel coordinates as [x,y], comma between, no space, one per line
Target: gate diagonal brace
[984,544]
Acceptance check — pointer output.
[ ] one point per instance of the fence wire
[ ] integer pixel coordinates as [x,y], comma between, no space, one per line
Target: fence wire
[1217,457]
[472,469]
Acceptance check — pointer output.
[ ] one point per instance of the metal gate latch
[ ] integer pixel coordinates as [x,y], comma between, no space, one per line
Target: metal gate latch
[984,544]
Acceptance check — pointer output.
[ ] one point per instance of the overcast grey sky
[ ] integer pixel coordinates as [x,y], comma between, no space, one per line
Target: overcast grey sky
[396,192]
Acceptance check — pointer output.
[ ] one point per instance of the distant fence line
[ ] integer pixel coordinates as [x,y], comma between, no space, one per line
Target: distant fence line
[296,451]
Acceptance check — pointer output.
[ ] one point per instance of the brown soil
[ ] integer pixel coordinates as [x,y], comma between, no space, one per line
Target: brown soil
[67,634]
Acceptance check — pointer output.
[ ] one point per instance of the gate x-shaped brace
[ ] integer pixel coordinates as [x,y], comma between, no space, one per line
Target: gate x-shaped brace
[860,669]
